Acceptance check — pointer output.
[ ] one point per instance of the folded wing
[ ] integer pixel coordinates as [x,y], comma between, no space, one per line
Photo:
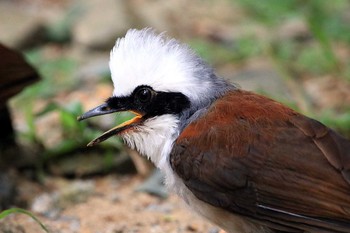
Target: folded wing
[254,157]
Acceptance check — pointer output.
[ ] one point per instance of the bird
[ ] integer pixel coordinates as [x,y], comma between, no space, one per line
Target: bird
[241,160]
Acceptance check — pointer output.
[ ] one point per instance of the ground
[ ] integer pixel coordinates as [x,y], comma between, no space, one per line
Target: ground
[111,206]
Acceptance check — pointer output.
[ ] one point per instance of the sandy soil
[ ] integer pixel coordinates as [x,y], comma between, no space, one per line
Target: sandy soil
[115,207]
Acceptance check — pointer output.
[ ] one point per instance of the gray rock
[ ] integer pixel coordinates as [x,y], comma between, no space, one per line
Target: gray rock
[91,163]
[9,227]
[46,204]
[184,18]
[160,15]
[214,230]
[59,30]
[101,23]
[94,69]
[7,190]
[164,208]
[19,27]
[51,204]
[258,78]
[154,185]
[296,29]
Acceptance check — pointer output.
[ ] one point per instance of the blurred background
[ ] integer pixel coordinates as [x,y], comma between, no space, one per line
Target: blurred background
[54,65]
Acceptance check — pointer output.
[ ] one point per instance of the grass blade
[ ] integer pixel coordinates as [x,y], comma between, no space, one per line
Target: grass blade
[7,212]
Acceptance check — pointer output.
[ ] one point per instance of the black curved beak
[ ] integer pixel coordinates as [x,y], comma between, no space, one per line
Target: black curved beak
[104,109]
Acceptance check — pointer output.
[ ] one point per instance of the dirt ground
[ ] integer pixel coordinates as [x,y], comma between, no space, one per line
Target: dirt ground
[114,206]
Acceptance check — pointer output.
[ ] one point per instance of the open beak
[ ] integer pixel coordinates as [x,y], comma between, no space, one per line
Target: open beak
[105,109]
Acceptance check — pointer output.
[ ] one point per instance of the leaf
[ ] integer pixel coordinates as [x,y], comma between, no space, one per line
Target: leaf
[50,107]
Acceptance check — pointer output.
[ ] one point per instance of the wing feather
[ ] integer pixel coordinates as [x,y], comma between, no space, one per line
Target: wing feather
[254,157]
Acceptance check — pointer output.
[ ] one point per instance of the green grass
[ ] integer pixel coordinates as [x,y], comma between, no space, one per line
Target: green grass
[313,61]
[326,20]
[56,72]
[338,122]
[269,12]
[7,212]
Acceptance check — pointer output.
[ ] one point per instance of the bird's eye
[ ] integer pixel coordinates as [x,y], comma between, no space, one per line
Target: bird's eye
[144,95]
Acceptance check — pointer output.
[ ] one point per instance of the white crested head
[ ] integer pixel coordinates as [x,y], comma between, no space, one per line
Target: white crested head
[143,57]
[181,82]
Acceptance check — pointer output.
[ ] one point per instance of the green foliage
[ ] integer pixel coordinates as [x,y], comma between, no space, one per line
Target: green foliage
[316,15]
[75,135]
[328,23]
[30,134]
[7,212]
[338,28]
[347,71]
[339,122]
[301,58]
[237,51]
[269,11]
[78,134]
[55,71]
[312,60]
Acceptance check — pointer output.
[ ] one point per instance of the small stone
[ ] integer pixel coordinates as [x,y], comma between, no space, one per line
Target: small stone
[8,227]
[20,27]
[45,204]
[295,29]
[154,185]
[165,208]
[101,24]
[258,76]
[327,92]
[76,192]
[115,198]
[7,190]
[215,230]
[192,227]
[50,204]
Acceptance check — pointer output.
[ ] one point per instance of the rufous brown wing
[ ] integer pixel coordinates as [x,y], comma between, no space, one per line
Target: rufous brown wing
[255,157]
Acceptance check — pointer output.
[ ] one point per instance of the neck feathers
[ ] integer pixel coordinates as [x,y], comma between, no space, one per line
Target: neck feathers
[154,139]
